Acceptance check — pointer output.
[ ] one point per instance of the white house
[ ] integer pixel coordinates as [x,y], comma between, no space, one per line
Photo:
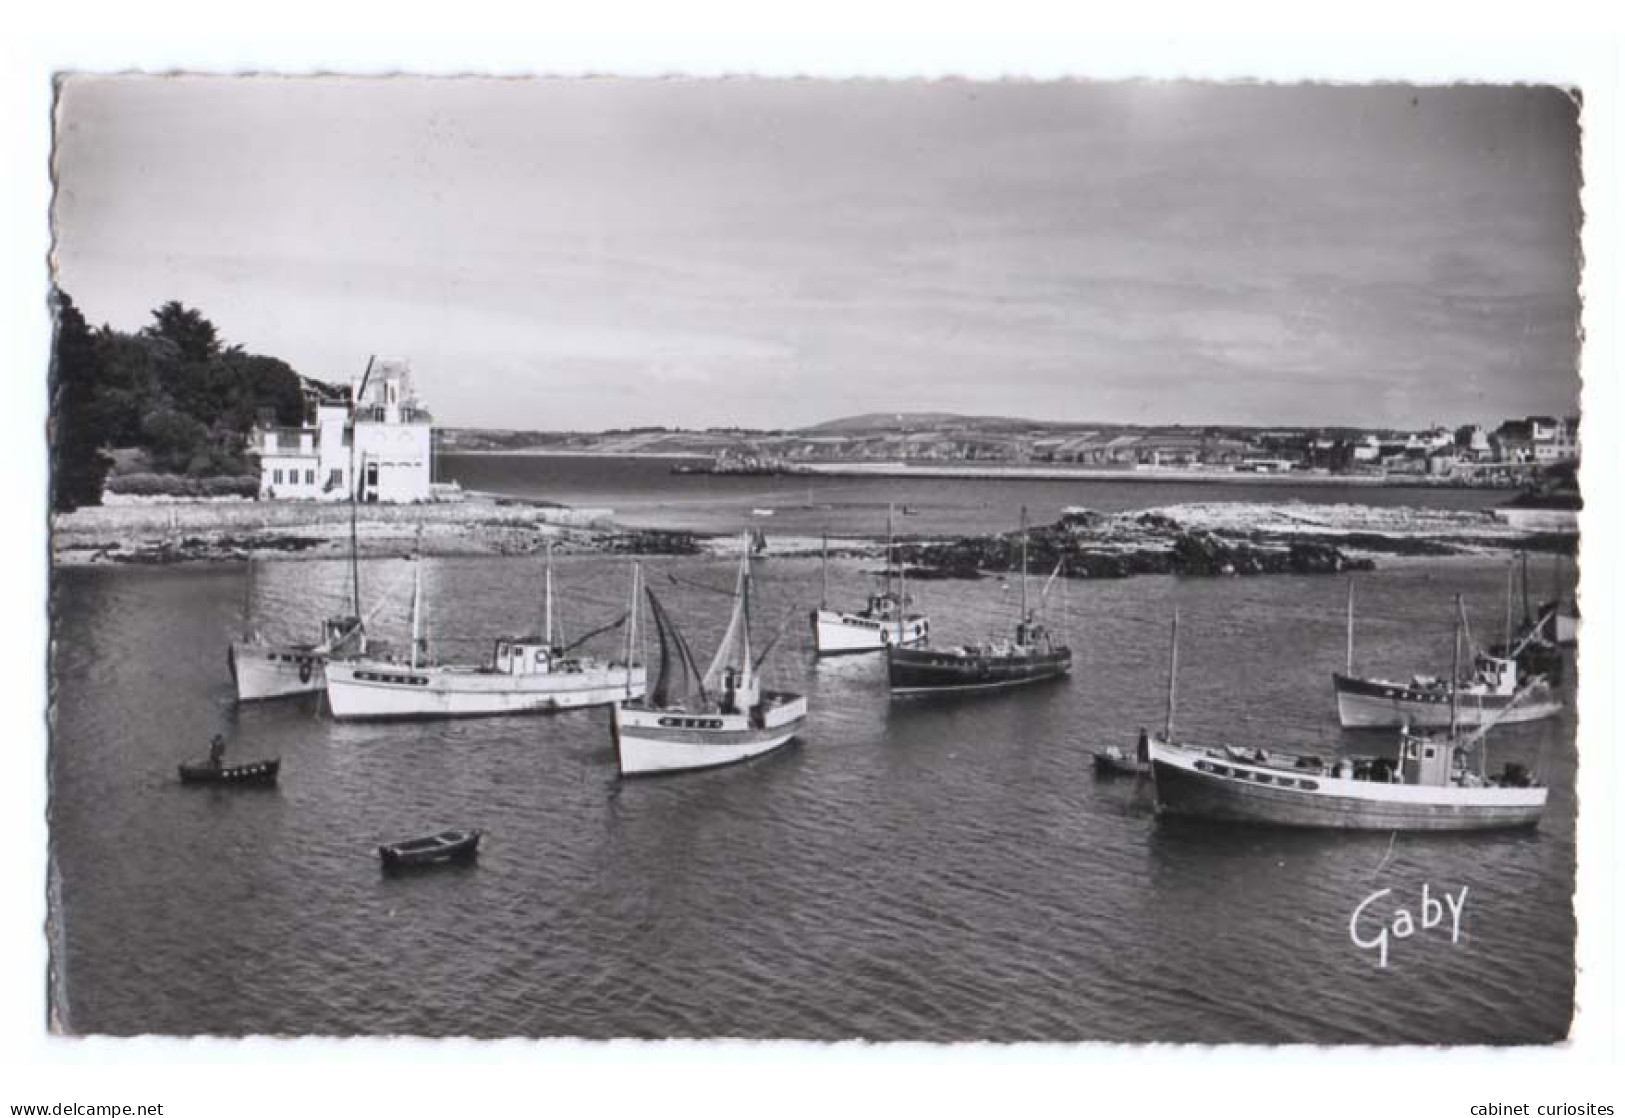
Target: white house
[393,452]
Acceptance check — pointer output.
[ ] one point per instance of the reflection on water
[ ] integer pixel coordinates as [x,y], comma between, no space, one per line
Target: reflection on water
[911,869]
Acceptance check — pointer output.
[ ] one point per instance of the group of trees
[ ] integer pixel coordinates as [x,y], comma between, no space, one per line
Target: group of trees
[172,389]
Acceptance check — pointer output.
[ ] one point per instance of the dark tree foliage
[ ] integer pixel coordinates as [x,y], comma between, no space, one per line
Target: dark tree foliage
[174,389]
[194,337]
[78,466]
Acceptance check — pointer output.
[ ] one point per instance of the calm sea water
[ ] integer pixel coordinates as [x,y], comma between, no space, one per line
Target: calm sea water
[645,493]
[909,869]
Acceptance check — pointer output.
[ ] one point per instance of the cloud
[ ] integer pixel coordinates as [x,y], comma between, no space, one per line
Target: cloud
[604,252]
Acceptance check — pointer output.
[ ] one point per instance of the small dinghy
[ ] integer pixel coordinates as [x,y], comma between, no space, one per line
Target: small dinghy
[1112,761]
[254,773]
[447,846]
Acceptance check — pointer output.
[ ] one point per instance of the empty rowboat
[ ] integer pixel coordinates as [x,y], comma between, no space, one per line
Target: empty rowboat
[447,846]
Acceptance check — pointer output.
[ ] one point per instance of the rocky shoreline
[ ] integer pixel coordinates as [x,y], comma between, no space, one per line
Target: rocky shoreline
[1225,539]
[1197,540]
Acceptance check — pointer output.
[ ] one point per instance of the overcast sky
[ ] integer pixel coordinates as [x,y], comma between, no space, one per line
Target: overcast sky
[581,254]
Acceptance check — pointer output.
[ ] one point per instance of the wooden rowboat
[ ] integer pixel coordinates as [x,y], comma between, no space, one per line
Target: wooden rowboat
[1112,761]
[250,773]
[447,846]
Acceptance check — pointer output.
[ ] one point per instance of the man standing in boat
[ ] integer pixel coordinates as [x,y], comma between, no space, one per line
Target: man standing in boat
[1142,751]
[217,750]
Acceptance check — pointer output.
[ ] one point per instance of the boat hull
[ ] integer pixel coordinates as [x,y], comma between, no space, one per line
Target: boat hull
[650,741]
[1192,784]
[275,671]
[921,671]
[1117,764]
[362,689]
[459,846]
[836,633]
[1367,704]
[247,774]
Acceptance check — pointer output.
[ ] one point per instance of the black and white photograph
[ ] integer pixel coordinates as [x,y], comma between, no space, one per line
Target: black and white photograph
[758,558]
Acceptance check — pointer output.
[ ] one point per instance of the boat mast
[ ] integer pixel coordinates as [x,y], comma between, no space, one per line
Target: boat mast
[889,508]
[1173,674]
[823,594]
[1455,667]
[417,605]
[1508,645]
[1348,668]
[355,490]
[744,644]
[1024,614]
[1525,557]
[547,600]
[902,602]
[248,603]
[632,628]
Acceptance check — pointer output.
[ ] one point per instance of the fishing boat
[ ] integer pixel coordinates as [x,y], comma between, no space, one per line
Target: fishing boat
[525,674]
[1492,692]
[249,773]
[1032,656]
[447,846]
[883,621]
[1561,613]
[693,720]
[1432,785]
[262,669]
[1533,645]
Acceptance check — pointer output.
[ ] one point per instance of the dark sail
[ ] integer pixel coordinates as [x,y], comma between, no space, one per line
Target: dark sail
[679,677]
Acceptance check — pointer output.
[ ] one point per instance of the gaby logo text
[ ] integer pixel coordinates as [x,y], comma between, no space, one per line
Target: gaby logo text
[1374,924]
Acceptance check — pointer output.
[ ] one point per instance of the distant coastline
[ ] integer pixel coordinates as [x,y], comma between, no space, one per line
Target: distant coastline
[574,452]
[1011,472]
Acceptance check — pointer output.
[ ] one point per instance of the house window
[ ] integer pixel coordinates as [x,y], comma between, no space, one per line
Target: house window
[276,477]
[310,477]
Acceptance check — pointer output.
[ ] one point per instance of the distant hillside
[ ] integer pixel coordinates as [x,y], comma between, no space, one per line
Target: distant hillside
[893,422]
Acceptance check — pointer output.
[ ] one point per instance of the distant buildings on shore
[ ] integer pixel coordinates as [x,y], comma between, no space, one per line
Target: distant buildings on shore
[1509,454]
[1469,453]
[393,453]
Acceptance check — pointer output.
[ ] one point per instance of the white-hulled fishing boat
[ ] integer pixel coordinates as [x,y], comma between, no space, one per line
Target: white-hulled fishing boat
[694,721]
[1431,786]
[525,675]
[883,621]
[262,669]
[1493,692]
